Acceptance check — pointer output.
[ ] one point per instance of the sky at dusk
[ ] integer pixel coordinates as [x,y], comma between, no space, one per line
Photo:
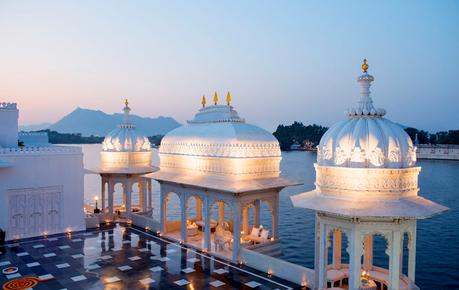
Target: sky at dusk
[282,60]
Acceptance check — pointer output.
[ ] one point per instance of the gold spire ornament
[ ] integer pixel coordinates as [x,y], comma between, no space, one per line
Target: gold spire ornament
[364,65]
[215,99]
[126,102]
[203,101]
[228,99]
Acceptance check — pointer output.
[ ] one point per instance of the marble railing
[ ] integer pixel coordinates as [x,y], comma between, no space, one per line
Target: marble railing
[40,150]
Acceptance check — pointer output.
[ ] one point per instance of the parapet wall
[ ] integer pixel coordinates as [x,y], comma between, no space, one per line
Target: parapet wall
[39,150]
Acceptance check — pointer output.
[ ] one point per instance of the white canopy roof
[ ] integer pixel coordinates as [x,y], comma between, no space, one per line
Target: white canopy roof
[415,207]
[221,183]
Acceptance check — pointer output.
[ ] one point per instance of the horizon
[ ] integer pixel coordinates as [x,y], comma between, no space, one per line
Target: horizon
[295,61]
[21,126]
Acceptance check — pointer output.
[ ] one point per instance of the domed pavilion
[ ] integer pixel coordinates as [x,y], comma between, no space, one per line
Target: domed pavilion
[223,162]
[126,156]
[366,185]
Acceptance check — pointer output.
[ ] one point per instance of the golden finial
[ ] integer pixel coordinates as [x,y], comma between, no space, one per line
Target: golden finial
[215,99]
[126,102]
[203,101]
[364,65]
[228,99]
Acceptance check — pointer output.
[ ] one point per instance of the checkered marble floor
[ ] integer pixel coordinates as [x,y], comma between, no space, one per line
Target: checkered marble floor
[119,257]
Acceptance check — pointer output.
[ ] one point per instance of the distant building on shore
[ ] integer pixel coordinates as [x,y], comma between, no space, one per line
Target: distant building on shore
[437,151]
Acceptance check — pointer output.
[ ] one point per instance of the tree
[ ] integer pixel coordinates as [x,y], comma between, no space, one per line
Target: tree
[297,132]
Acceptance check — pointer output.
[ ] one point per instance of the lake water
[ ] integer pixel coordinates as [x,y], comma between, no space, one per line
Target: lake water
[437,241]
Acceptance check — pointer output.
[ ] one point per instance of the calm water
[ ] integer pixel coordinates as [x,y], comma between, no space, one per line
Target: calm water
[437,247]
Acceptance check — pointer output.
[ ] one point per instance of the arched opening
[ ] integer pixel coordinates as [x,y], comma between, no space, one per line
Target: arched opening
[258,220]
[222,225]
[380,258]
[119,200]
[172,213]
[194,220]
[135,197]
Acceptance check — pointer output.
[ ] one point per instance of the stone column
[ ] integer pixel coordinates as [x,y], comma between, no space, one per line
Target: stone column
[394,260]
[149,194]
[275,216]
[143,194]
[221,212]
[337,242]
[368,253]
[355,256]
[102,195]
[412,253]
[322,270]
[198,208]
[236,231]
[128,198]
[256,213]
[111,192]
[207,210]
[183,215]
[245,220]
[124,194]
[316,252]
[162,210]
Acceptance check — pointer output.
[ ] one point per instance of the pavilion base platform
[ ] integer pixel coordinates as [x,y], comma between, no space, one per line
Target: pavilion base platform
[339,277]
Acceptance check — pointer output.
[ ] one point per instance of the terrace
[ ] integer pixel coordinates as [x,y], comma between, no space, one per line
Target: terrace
[122,257]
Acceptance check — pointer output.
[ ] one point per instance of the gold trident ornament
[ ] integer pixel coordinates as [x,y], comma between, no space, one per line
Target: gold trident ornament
[364,65]
[126,102]
[215,99]
[228,99]
[203,101]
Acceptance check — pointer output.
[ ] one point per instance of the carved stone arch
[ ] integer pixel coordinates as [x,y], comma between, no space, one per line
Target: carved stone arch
[270,202]
[167,195]
[387,237]
[188,196]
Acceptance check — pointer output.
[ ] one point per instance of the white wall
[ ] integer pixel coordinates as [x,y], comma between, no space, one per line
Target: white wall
[277,267]
[45,167]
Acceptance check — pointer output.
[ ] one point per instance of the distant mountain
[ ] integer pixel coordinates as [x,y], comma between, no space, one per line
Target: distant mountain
[35,127]
[97,123]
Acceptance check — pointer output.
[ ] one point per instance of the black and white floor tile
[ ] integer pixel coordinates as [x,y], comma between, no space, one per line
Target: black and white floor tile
[121,257]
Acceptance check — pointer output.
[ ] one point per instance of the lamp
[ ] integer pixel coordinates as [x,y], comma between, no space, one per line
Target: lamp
[96,199]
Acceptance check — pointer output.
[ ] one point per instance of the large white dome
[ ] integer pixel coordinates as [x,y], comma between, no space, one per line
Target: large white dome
[366,138]
[217,140]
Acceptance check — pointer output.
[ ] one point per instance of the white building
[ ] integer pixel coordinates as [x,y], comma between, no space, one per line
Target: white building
[41,186]
[366,185]
[221,162]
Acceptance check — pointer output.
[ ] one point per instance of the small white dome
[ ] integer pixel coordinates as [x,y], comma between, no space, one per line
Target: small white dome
[125,138]
[366,139]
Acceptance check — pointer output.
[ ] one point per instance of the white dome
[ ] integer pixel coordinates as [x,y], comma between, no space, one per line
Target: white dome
[125,138]
[366,139]
[218,140]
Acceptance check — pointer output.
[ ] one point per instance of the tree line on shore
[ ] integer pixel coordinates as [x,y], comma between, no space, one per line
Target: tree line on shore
[287,135]
[297,133]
